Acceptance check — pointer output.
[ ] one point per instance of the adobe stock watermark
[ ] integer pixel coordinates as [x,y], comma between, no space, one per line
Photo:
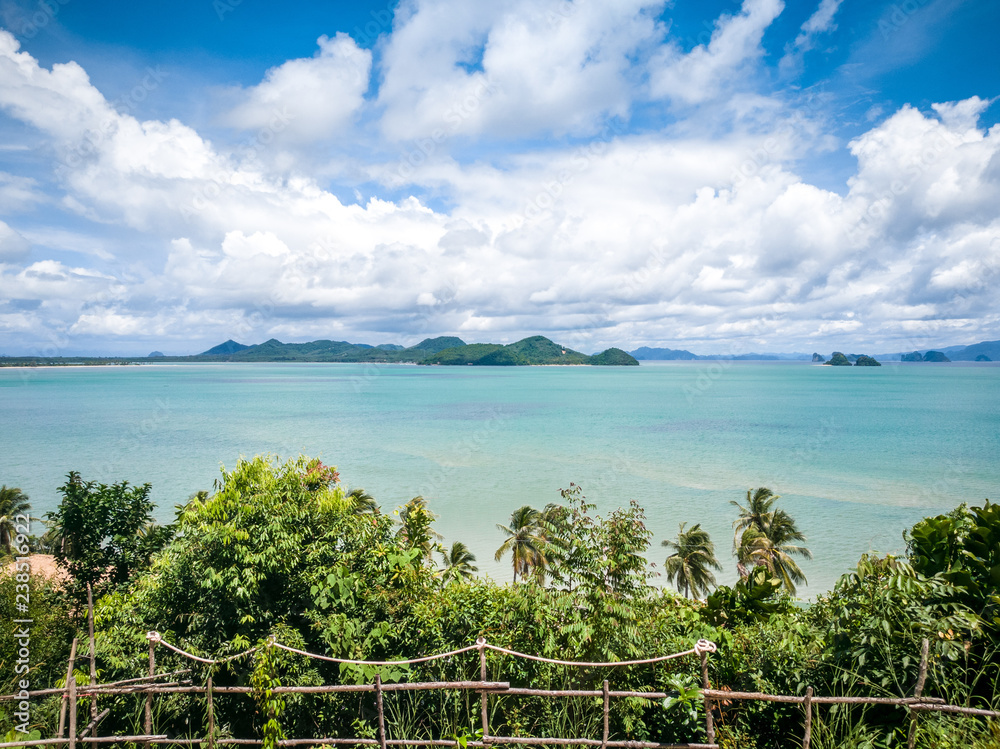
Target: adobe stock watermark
[879,206]
[424,148]
[628,290]
[124,105]
[899,15]
[134,438]
[765,153]
[57,343]
[46,14]
[250,150]
[22,626]
[709,374]
[545,199]
[471,445]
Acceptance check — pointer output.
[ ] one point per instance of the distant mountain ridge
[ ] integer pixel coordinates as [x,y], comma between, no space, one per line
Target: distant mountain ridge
[447,350]
[975,352]
[644,353]
[989,349]
[229,347]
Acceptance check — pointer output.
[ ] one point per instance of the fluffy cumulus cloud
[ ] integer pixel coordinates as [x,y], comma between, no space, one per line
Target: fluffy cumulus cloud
[600,235]
[512,68]
[308,99]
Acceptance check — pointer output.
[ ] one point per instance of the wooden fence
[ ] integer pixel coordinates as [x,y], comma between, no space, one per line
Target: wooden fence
[69,734]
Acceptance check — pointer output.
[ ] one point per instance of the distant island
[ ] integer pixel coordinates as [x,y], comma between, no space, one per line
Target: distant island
[839,359]
[443,350]
[932,356]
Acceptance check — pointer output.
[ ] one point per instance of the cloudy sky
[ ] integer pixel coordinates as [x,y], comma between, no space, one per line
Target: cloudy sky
[709,175]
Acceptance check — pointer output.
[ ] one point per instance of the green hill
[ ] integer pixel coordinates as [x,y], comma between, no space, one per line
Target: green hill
[534,351]
[614,357]
[229,347]
[838,360]
[434,345]
[470,353]
[446,350]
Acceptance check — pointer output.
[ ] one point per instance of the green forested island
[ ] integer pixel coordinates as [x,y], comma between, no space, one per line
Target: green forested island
[839,359]
[536,350]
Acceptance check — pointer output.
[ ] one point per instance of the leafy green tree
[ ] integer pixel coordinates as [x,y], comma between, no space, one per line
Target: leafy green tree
[103,533]
[415,521]
[963,547]
[690,566]
[602,562]
[458,563]
[871,625]
[13,502]
[524,541]
[603,554]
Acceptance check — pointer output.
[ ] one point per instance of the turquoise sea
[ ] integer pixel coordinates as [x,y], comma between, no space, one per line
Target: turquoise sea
[856,454]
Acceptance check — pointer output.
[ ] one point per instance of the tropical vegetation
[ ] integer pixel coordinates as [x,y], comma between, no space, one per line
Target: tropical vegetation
[13,503]
[283,550]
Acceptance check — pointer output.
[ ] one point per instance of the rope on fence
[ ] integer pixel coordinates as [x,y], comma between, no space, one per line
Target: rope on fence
[374,663]
[700,647]
[157,639]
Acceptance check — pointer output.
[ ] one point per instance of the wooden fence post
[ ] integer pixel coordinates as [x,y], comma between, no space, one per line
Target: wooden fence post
[93,651]
[709,727]
[65,699]
[149,695]
[807,704]
[607,715]
[211,715]
[911,739]
[481,642]
[381,710]
[72,712]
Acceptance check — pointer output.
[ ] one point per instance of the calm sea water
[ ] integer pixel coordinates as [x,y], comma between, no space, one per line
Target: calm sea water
[856,454]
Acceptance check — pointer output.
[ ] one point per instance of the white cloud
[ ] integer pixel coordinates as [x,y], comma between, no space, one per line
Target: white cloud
[702,73]
[13,246]
[309,99]
[513,68]
[819,23]
[18,194]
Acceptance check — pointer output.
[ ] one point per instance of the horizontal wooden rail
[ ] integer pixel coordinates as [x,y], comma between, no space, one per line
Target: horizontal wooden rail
[795,699]
[957,709]
[492,741]
[582,693]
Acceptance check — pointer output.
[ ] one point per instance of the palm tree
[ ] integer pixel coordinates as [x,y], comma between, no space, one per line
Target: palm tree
[689,567]
[762,538]
[754,514]
[13,502]
[525,541]
[773,550]
[361,502]
[458,563]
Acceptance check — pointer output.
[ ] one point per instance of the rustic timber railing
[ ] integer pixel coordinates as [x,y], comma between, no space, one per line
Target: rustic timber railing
[69,735]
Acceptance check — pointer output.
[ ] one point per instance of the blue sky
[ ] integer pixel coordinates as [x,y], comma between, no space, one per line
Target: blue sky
[719,176]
